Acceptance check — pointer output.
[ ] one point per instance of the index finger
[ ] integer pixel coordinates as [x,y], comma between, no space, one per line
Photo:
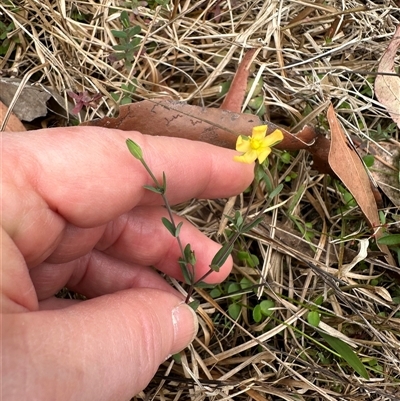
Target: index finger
[89,177]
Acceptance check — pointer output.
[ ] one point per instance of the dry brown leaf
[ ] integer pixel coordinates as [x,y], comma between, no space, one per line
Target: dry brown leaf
[177,119]
[234,99]
[348,166]
[219,127]
[387,87]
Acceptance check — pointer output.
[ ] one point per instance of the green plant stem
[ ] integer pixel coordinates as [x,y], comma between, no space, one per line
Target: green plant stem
[235,236]
[162,190]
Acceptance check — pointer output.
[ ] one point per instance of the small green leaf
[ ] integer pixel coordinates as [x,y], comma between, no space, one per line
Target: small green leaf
[169,226]
[314,318]
[238,219]
[243,255]
[215,293]
[257,315]
[251,225]
[245,283]
[178,229]
[369,160]
[194,304]
[119,56]
[128,88]
[135,43]
[223,87]
[125,19]
[347,354]
[265,307]
[390,240]
[324,358]
[382,217]
[119,34]
[285,157]
[135,149]
[234,311]
[295,199]
[232,288]
[257,87]
[115,96]
[153,189]
[222,255]
[276,191]
[186,262]
[134,30]
[349,199]
[256,102]
[254,261]
[164,181]
[189,255]
[187,276]
[122,47]
[125,100]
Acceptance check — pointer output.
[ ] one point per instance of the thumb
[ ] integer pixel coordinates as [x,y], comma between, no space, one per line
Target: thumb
[106,348]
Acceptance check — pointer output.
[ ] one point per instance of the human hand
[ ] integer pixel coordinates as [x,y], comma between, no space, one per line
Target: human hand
[75,214]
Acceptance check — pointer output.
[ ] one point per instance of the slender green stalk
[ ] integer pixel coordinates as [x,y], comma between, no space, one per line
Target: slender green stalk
[162,190]
[234,237]
[187,260]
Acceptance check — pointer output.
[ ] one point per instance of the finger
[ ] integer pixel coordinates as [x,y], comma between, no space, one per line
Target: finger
[94,275]
[143,239]
[140,238]
[16,289]
[89,177]
[53,303]
[110,349]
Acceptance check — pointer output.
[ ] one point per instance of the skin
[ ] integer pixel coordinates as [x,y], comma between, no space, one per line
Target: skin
[75,214]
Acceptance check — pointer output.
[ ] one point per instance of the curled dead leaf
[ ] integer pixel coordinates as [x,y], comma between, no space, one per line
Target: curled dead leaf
[234,99]
[219,127]
[348,166]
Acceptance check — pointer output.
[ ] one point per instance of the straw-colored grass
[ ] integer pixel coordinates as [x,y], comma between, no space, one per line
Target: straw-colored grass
[308,53]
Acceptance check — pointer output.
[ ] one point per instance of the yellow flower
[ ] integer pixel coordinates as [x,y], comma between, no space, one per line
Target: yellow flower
[258,146]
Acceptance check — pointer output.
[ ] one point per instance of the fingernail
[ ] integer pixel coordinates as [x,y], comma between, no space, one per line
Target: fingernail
[185,324]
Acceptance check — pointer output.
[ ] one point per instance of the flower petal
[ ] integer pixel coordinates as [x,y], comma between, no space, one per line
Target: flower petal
[273,138]
[259,132]
[263,154]
[242,143]
[249,157]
